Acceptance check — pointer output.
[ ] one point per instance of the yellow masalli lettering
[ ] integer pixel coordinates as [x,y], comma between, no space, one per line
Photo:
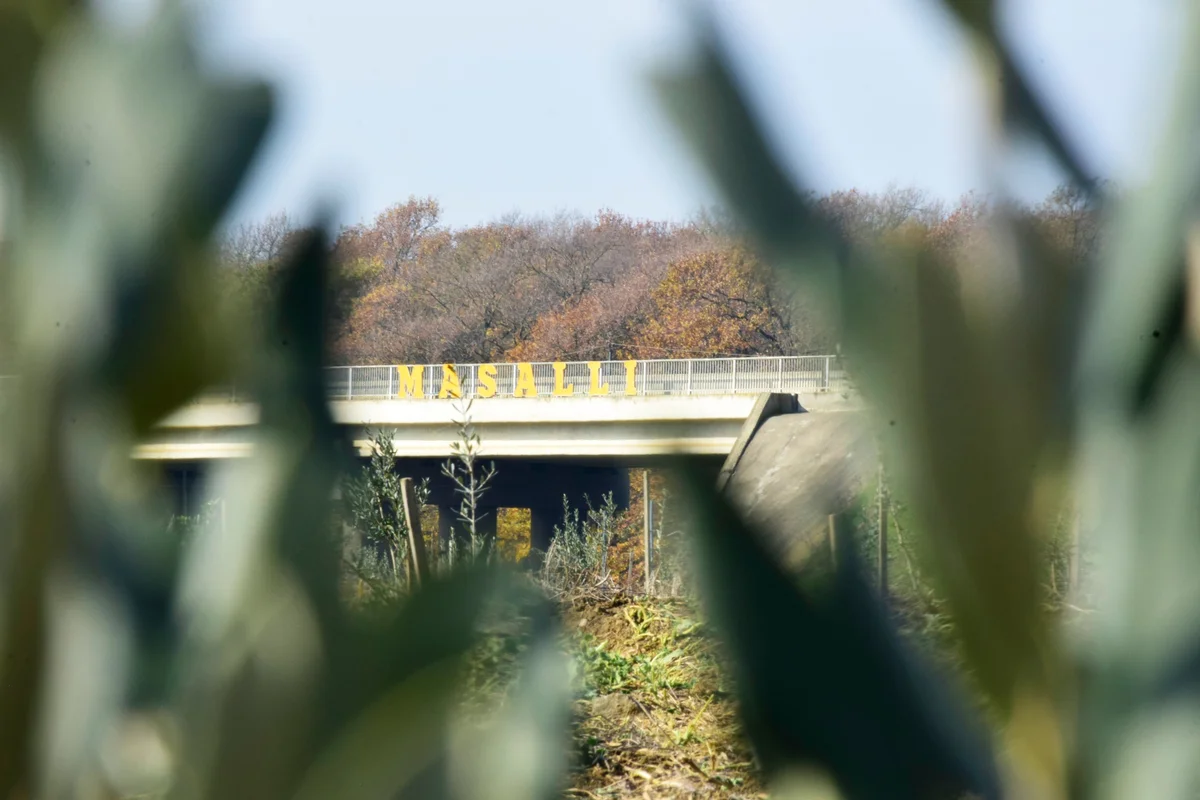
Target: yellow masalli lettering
[410,383]
[561,388]
[526,385]
[450,383]
[487,380]
[596,388]
[630,377]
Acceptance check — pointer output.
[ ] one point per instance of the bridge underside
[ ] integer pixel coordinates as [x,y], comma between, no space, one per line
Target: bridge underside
[538,485]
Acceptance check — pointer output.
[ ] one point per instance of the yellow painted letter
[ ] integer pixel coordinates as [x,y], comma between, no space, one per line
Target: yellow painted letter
[411,383]
[450,385]
[526,386]
[562,389]
[630,377]
[597,388]
[487,380]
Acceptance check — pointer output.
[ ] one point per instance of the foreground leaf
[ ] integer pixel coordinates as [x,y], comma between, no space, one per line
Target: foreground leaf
[826,680]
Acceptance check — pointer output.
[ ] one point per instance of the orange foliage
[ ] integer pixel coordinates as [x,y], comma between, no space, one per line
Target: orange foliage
[711,304]
[512,533]
[599,326]
[407,288]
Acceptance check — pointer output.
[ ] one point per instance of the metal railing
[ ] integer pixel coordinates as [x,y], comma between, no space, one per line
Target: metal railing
[662,377]
[701,376]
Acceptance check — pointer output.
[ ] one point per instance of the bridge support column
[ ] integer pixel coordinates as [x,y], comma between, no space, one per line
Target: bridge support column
[185,484]
[541,526]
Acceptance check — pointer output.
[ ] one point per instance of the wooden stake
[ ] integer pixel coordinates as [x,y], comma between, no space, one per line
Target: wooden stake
[418,564]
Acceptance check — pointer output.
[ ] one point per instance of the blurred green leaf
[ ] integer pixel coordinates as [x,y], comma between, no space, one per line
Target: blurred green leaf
[826,680]
[522,751]
[927,365]
[103,109]
[1138,384]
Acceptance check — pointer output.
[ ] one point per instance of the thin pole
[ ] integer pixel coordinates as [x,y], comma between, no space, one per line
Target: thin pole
[647,532]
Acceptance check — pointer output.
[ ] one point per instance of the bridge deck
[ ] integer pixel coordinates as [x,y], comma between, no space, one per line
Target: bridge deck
[596,427]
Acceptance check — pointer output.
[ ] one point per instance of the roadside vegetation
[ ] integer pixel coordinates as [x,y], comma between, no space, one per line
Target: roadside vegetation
[655,713]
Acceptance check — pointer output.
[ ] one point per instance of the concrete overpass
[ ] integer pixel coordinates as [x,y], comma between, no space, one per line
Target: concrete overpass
[553,428]
[588,409]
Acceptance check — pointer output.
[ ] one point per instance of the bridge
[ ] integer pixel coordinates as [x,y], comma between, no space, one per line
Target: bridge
[631,411]
[553,428]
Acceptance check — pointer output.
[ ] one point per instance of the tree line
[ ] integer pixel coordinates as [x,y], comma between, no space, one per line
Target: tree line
[409,288]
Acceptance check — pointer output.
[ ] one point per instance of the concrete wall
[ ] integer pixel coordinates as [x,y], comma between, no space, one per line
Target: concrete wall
[796,469]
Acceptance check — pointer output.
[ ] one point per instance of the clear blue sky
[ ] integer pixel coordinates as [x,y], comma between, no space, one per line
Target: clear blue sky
[540,106]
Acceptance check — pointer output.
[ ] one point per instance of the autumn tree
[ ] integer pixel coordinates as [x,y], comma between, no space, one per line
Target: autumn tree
[1070,221]
[482,296]
[608,268]
[395,237]
[466,297]
[252,245]
[721,302]
[407,288]
[571,256]
[864,216]
[602,325]
[387,324]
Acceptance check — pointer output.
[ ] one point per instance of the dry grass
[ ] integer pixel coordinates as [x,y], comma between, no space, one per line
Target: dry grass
[654,715]
[657,719]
